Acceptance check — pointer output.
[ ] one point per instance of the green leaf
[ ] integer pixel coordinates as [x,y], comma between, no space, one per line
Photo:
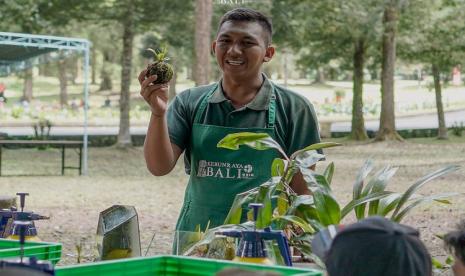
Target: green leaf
[436,263]
[327,208]
[449,260]
[316,146]
[235,213]
[419,183]
[307,228]
[398,217]
[299,201]
[307,159]
[258,141]
[358,186]
[328,173]
[354,203]
[283,204]
[266,212]
[277,167]
[378,184]
[234,140]
[388,204]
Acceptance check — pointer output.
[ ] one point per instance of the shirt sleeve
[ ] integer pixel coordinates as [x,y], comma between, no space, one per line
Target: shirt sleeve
[179,127]
[303,130]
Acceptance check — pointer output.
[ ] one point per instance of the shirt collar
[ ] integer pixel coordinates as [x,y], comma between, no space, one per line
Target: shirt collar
[260,102]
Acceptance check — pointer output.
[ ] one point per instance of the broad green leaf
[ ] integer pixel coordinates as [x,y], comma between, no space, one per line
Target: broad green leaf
[234,140]
[283,204]
[354,203]
[307,159]
[327,208]
[358,186]
[378,184]
[235,213]
[362,174]
[306,227]
[316,146]
[388,204]
[398,217]
[419,183]
[329,172]
[266,212]
[277,167]
[298,201]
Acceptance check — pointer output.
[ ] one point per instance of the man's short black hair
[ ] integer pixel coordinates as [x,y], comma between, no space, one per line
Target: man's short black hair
[249,15]
[455,241]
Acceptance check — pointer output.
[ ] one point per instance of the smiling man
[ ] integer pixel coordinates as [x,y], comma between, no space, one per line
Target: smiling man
[243,100]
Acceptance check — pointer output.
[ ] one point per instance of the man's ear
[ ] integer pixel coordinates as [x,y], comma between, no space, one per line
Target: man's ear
[213,47]
[268,54]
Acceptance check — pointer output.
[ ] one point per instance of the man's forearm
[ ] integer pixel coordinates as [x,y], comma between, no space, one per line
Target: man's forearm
[158,152]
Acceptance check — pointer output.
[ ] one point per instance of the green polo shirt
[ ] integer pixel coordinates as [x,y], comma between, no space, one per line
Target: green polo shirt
[296,123]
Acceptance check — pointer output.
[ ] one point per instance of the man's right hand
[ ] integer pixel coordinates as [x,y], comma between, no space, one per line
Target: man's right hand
[156,95]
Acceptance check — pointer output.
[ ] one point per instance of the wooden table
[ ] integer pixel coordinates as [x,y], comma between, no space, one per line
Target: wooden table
[63,144]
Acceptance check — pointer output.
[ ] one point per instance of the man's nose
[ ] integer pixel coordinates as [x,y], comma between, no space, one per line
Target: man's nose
[235,49]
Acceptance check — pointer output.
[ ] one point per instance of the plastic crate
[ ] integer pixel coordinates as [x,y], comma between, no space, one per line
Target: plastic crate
[41,250]
[171,266]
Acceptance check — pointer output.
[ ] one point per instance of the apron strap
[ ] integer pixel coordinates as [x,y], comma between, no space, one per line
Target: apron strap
[271,106]
[272,109]
[203,104]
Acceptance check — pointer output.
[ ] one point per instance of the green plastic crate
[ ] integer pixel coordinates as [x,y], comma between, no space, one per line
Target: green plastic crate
[171,266]
[41,250]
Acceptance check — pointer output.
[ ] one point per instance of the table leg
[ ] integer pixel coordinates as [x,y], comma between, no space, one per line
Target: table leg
[80,160]
[62,160]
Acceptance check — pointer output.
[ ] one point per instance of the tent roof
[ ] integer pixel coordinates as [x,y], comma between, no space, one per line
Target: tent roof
[20,51]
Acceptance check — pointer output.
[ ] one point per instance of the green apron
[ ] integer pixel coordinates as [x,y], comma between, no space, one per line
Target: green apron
[217,174]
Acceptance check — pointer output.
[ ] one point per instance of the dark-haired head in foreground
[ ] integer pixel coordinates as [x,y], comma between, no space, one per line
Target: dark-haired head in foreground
[378,246]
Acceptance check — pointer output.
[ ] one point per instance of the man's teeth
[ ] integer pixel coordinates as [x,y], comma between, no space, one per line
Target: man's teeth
[233,62]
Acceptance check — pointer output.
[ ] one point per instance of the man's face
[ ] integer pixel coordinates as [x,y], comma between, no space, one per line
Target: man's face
[241,48]
[458,267]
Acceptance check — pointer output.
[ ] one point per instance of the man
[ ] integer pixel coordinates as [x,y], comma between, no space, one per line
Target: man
[243,100]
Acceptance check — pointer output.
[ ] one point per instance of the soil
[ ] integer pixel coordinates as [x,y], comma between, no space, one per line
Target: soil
[120,177]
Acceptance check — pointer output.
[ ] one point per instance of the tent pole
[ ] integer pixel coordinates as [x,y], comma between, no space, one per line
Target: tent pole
[86,104]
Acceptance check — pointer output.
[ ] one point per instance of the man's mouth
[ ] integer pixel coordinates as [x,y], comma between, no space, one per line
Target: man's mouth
[235,62]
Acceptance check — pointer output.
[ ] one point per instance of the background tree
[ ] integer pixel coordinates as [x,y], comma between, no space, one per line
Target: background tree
[439,42]
[203,19]
[387,123]
[332,30]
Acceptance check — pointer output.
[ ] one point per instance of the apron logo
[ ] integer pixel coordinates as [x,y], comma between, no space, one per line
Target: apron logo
[225,170]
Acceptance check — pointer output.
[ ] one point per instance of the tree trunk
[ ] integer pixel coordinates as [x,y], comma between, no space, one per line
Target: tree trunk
[285,67]
[106,72]
[172,91]
[320,76]
[442,130]
[124,136]
[63,82]
[27,88]
[387,123]
[203,16]
[93,64]
[358,131]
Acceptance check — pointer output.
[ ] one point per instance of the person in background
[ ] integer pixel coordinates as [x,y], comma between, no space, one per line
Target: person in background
[455,243]
[2,92]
